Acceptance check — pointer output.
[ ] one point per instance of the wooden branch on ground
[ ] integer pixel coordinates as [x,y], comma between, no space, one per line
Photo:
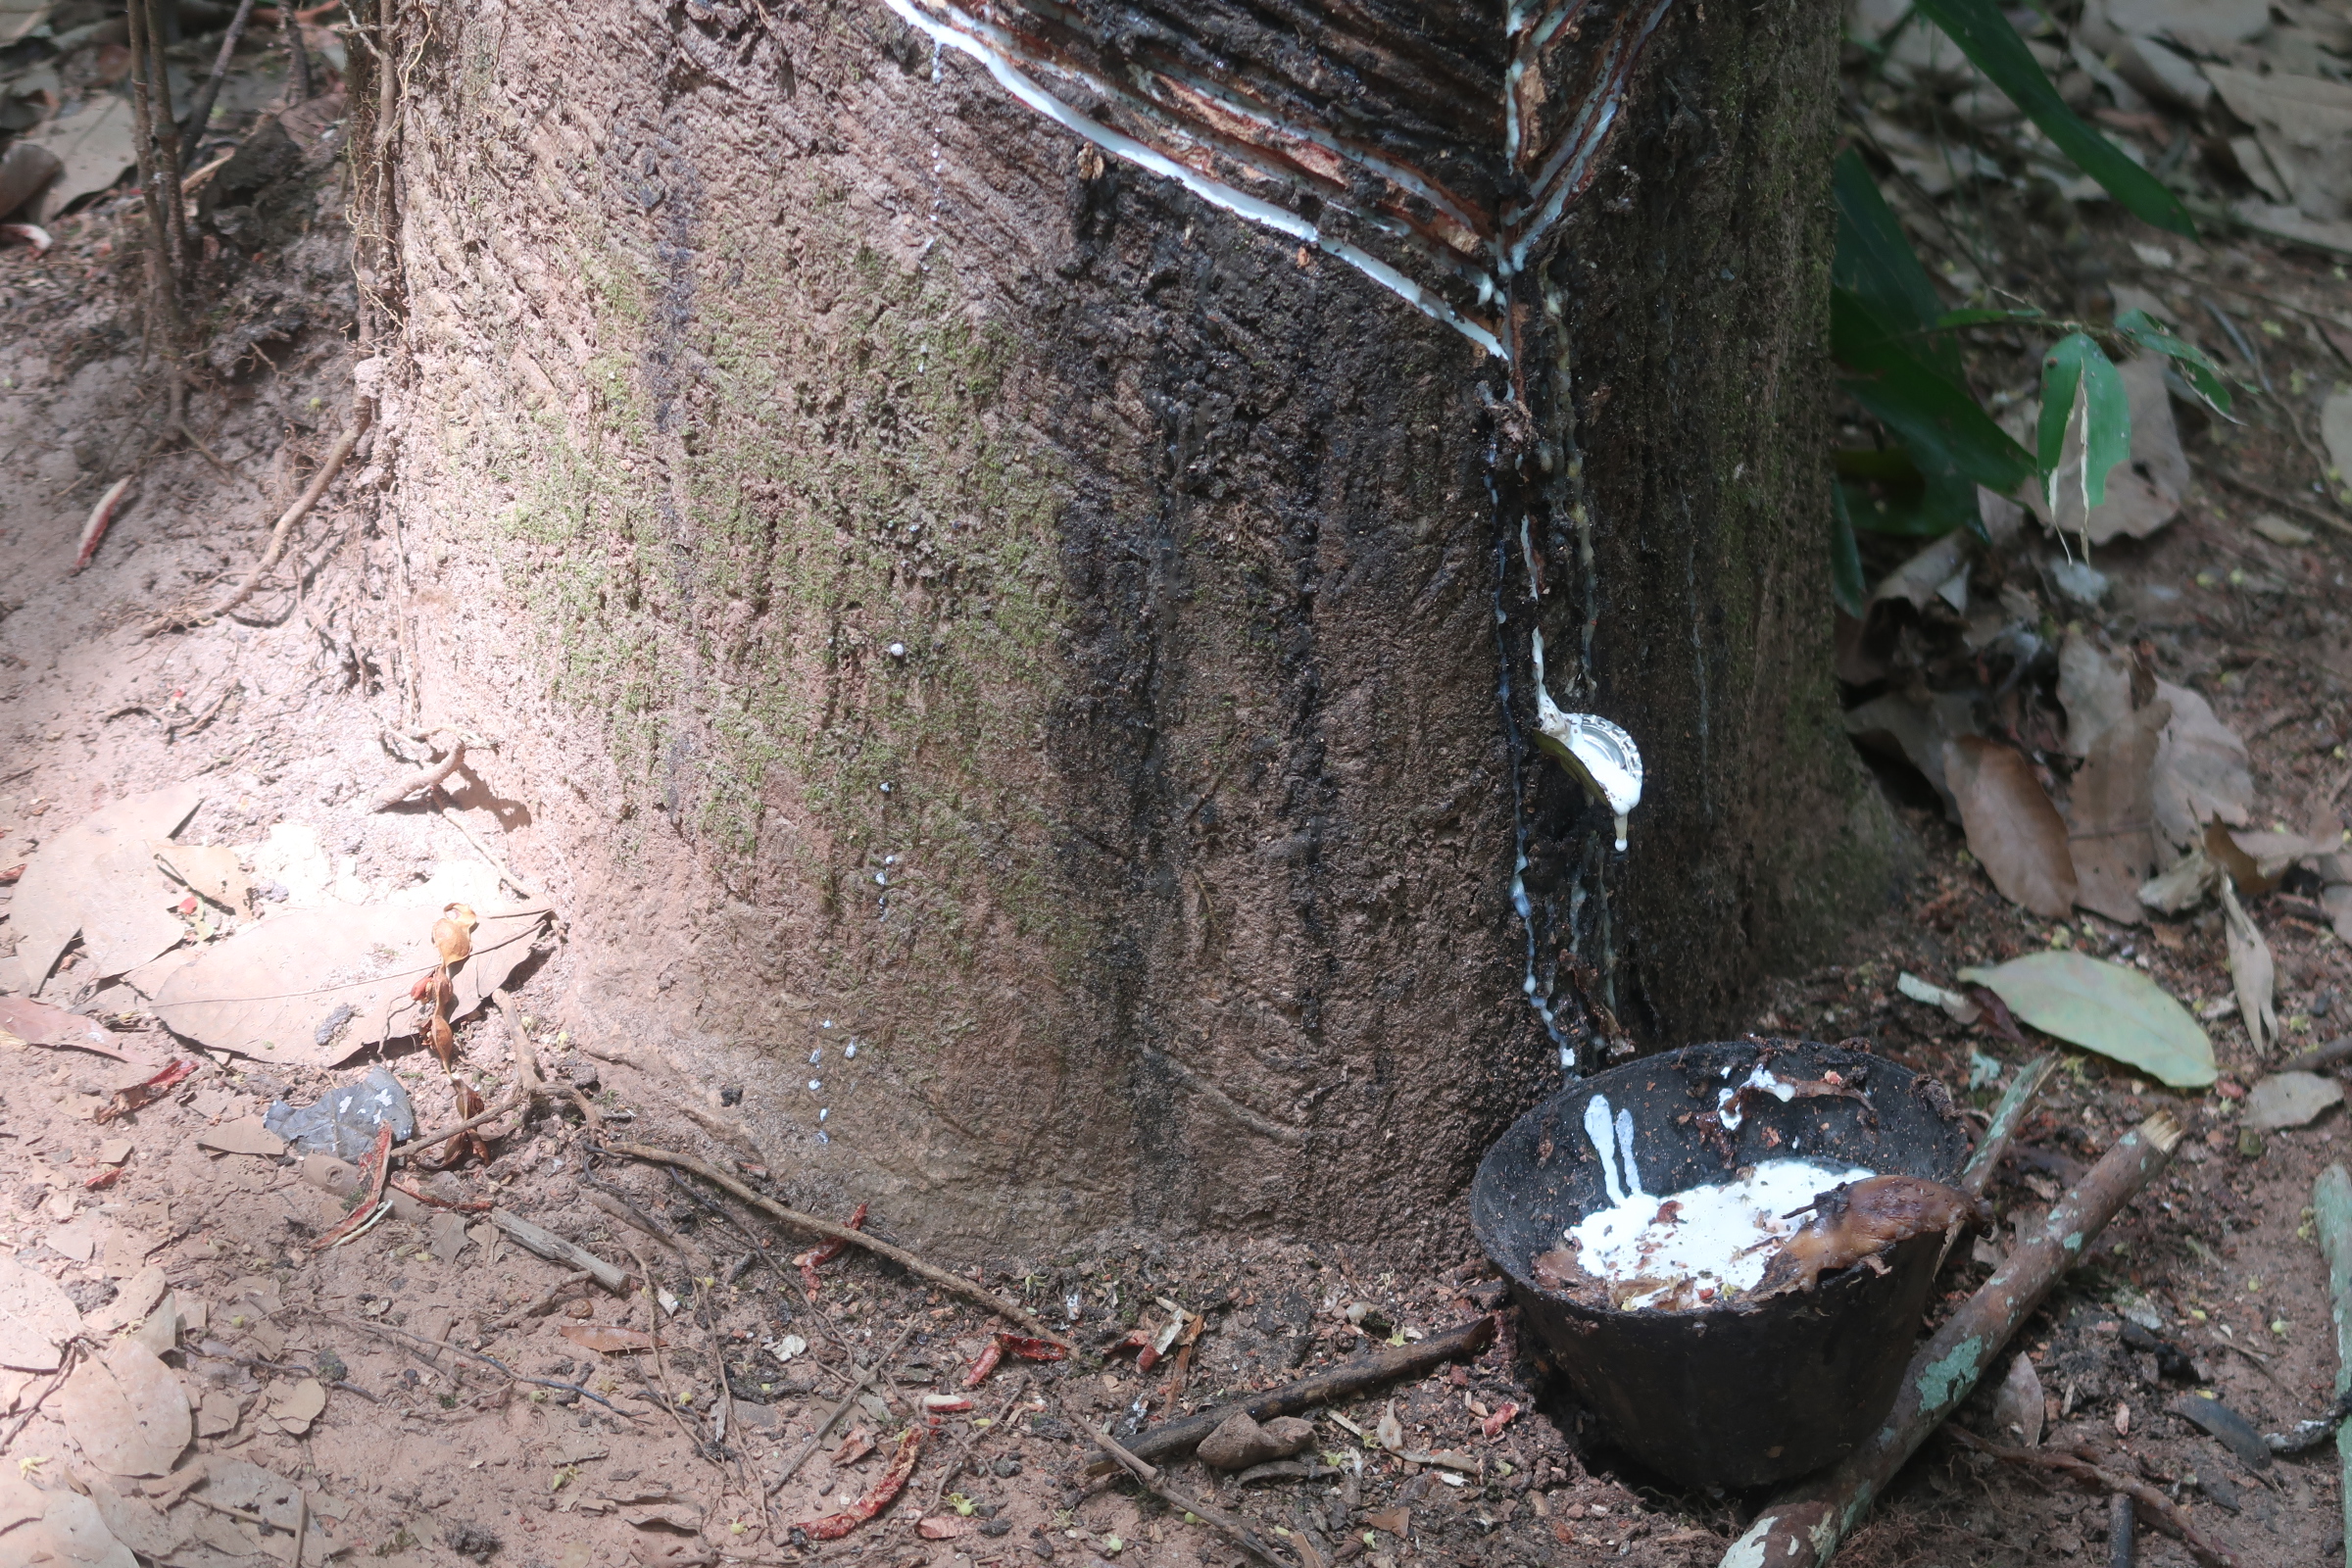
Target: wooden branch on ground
[969,1289]
[1803,1528]
[1331,1386]
[1242,1535]
[1978,1174]
[2082,1467]
[444,1134]
[556,1249]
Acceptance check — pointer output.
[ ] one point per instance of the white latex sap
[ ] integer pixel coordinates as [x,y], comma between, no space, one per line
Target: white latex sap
[1697,1247]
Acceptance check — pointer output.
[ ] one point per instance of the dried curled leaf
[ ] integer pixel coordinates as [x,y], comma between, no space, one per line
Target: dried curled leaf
[2253,972]
[453,933]
[2012,827]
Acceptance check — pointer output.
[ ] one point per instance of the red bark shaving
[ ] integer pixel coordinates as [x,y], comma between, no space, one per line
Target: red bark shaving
[834,1526]
[986,1364]
[373,1171]
[826,1253]
[147,1092]
[1032,1350]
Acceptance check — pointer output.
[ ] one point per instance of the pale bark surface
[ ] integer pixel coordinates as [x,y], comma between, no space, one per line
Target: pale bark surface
[939,588]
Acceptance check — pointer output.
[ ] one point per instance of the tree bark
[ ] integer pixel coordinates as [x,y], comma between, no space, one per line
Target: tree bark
[942,586]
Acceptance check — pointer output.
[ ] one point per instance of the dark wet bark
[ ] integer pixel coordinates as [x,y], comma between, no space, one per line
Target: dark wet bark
[944,587]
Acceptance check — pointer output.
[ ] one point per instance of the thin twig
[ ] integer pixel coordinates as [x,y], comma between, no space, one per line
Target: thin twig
[201,111]
[1243,1536]
[470,1122]
[2160,1509]
[972,1440]
[329,467]
[969,1289]
[506,872]
[386,1330]
[857,1386]
[65,1367]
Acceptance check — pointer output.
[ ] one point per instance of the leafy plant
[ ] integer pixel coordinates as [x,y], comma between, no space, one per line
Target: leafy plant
[1898,350]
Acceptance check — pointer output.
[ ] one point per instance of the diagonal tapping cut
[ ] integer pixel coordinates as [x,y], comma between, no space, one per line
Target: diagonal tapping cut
[1432,151]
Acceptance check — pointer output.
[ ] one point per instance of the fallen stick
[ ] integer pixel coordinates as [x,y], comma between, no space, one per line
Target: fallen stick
[191,129]
[444,1134]
[2160,1509]
[428,779]
[386,1330]
[101,515]
[970,1291]
[857,1386]
[1802,1529]
[1242,1535]
[556,1249]
[2122,1550]
[2332,1205]
[1332,1385]
[2001,1131]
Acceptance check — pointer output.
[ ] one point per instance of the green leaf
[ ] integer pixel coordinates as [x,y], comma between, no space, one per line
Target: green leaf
[2076,374]
[2117,1011]
[1946,428]
[2201,373]
[1875,259]
[1986,36]
[1845,560]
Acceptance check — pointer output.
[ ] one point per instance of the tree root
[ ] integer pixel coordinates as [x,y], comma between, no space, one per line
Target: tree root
[329,467]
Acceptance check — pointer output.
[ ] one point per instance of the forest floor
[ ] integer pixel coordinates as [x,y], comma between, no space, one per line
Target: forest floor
[191,1375]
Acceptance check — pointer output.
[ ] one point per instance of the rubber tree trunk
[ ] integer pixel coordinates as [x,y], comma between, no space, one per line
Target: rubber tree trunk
[944,585]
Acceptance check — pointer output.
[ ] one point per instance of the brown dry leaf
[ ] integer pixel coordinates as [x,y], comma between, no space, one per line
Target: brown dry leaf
[2201,771]
[266,991]
[210,871]
[2112,832]
[2252,972]
[71,1532]
[453,934]
[2017,1409]
[97,880]
[295,1407]
[244,1136]
[2305,127]
[2273,855]
[2013,830]
[37,1023]
[133,1300]
[607,1339]
[127,1410]
[36,1318]
[219,1413]
[138,1524]
[2095,687]
[1895,725]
